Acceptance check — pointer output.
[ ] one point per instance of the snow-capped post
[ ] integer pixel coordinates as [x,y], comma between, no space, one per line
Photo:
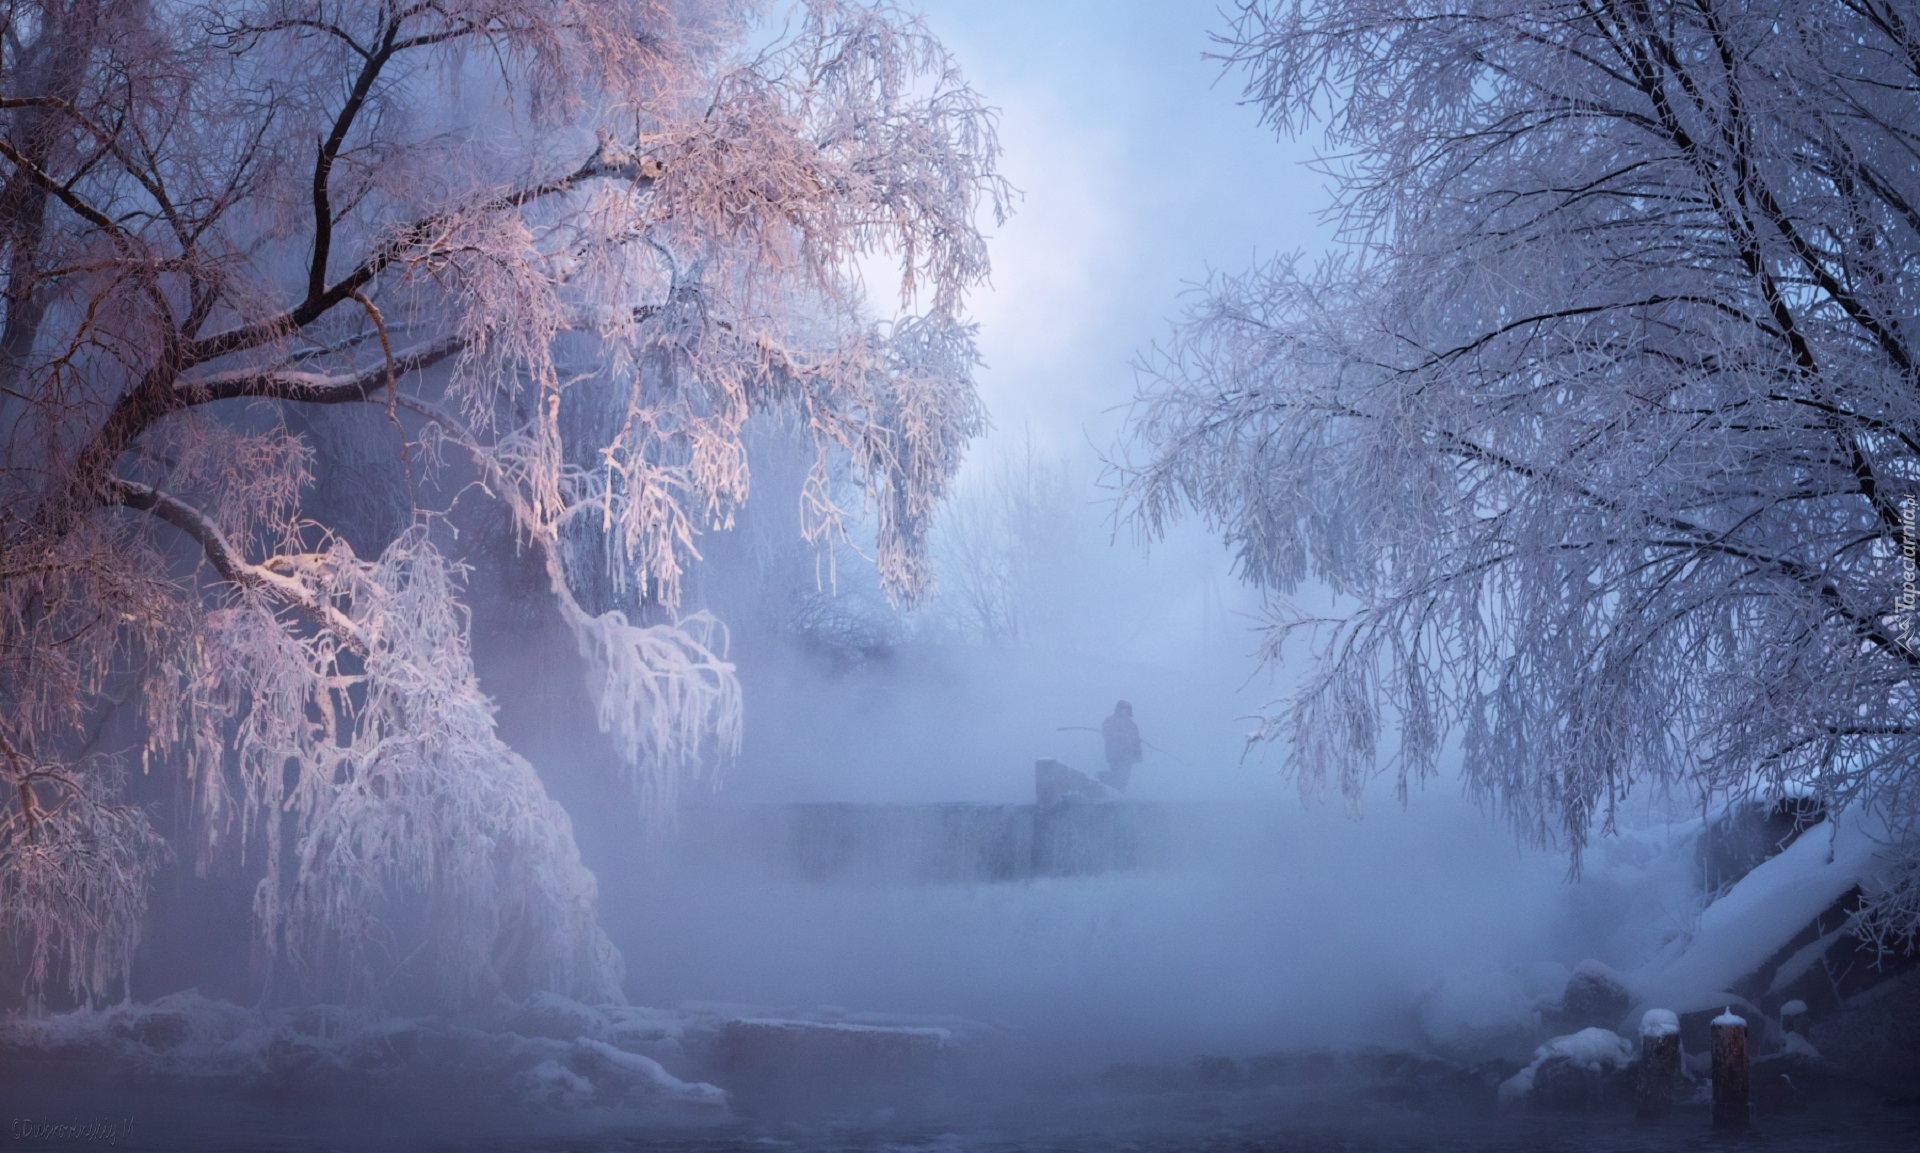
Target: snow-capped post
[1730,1096]
[1659,1063]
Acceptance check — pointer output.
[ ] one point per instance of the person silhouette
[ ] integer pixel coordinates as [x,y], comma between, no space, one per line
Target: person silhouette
[1122,738]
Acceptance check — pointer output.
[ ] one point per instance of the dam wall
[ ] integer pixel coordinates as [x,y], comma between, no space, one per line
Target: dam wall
[929,844]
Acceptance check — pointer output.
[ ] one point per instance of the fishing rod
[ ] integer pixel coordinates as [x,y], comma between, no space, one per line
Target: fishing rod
[1147,743]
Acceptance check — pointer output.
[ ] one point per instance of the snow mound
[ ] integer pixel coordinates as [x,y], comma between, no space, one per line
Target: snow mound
[559,1018]
[1659,1023]
[644,1073]
[1592,1050]
[551,1083]
[1798,1046]
[547,1050]
[188,1035]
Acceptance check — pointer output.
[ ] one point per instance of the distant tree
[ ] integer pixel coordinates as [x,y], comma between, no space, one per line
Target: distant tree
[996,543]
[1605,412]
[565,248]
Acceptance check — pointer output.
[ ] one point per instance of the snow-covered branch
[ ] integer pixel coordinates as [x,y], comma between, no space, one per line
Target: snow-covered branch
[226,560]
[585,240]
[316,387]
[1604,418]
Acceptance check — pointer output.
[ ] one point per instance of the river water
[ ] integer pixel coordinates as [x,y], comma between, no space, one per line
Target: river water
[52,1108]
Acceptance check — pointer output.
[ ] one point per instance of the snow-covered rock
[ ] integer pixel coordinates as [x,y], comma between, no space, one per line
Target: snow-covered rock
[1875,1037]
[1595,995]
[1573,1071]
[1798,1046]
[776,1065]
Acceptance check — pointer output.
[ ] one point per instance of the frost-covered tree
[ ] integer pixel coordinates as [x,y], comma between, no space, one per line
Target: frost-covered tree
[1000,544]
[773,588]
[1605,412]
[565,248]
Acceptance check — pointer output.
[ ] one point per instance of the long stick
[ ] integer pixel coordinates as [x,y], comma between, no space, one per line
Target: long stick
[1148,744]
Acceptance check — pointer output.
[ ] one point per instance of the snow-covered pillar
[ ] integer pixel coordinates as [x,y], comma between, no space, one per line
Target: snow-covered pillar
[1659,1063]
[1730,1096]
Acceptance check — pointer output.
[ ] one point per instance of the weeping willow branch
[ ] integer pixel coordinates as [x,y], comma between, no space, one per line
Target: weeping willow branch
[621,236]
[283,586]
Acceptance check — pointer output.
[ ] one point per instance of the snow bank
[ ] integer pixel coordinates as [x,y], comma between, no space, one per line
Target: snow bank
[937,1033]
[643,1072]
[561,1018]
[1755,919]
[551,1083]
[186,1034]
[546,1050]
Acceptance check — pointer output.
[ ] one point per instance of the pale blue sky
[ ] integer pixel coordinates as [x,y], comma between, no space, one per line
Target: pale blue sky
[1138,172]
[1140,169]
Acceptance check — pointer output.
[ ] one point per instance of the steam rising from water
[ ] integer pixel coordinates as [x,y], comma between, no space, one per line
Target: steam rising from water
[1263,926]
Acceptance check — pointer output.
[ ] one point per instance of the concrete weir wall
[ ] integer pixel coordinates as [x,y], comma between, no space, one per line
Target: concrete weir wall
[927,843]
